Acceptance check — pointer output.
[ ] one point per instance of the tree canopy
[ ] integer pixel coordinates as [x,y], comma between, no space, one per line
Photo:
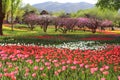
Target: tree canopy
[110,4]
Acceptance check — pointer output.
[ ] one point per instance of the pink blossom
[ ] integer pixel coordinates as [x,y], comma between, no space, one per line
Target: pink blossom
[101,69]
[49,67]
[55,61]
[10,66]
[47,64]
[34,75]
[29,61]
[105,72]
[56,65]
[37,60]
[26,74]
[13,77]
[68,61]
[1,75]
[5,69]
[27,69]
[81,65]
[92,70]
[118,77]
[16,68]
[36,68]
[75,62]
[0,64]
[96,69]
[73,67]
[59,70]
[64,68]
[86,66]
[43,75]
[63,62]
[103,79]
[56,73]
[7,74]
[106,67]
[41,68]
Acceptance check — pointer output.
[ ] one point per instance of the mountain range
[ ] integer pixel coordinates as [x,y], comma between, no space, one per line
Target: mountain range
[67,7]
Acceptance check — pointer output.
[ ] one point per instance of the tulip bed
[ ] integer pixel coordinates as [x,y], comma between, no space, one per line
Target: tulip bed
[20,62]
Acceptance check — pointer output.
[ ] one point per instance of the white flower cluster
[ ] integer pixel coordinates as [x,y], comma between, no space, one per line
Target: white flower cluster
[83,45]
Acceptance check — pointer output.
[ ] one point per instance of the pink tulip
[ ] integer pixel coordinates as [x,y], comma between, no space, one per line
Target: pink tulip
[26,74]
[56,73]
[16,68]
[64,68]
[34,75]
[7,74]
[37,60]
[59,70]
[1,75]
[27,69]
[68,61]
[103,79]
[105,72]
[56,65]
[86,66]
[92,70]
[73,67]
[0,65]
[63,62]
[101,69]
[55,61]
[81,65]
[13,77]
[49,67]
[118,77]
[47,64]
[106,67]
[41,68]
[36,68]
[5,69]
[75,62]
[44,75]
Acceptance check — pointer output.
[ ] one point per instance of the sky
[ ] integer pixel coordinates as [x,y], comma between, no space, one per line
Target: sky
[61,1]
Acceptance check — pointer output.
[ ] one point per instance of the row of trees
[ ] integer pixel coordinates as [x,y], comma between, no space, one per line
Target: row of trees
[66,24]
[100,14]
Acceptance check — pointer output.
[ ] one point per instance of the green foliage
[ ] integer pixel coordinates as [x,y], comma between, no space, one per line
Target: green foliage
[15,5]
[20,14]
[117,20]
[6,5]
[28,8]
[60,13]
[97,12]
[109,4]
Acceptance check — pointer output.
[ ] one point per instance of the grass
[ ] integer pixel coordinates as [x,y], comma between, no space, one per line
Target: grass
[38,31]
[22,34]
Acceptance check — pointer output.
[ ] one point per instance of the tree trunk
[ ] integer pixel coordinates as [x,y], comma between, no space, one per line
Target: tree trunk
[7,17]
[2,15]
[12,24]
[1,22]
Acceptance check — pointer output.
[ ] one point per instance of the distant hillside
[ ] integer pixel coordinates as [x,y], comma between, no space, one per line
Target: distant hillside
[67,7]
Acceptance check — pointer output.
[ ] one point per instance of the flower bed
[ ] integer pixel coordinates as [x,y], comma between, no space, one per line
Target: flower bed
[83,45]
[46,37]
[40,63]
[97,38]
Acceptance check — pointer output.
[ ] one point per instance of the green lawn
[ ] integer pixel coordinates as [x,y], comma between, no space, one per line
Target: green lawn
[24,35]
[38,31]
